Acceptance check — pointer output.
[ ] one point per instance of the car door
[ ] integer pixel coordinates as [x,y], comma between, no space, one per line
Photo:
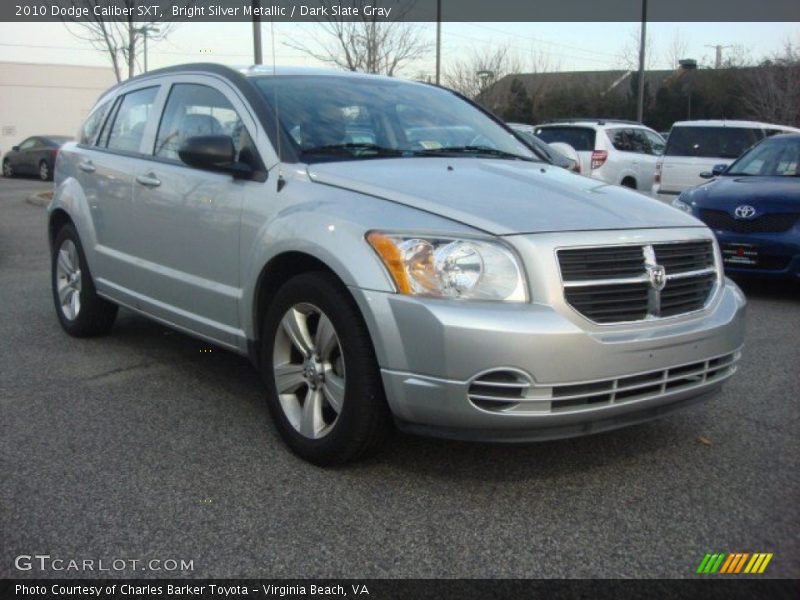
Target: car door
[645,145]
[625,162]
[23,161]
[186,220]
[105,172]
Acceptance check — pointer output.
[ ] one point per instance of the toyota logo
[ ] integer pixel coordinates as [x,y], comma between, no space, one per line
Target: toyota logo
[745,211]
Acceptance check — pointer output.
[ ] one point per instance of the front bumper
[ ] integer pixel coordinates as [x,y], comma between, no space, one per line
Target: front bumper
[432,351]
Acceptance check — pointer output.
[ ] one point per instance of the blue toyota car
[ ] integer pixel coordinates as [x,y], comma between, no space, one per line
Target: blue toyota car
[753,207]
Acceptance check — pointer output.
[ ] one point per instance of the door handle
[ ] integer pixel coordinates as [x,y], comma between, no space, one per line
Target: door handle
[86,166]
[149,180]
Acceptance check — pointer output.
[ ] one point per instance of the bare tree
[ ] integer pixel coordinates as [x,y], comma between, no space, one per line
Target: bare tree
[119,39]
[628,55]
[772,89]
[370,44]
[677,50]
[477,72]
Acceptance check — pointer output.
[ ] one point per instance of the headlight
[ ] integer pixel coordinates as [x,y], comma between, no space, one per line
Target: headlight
[681,205]
[451,268]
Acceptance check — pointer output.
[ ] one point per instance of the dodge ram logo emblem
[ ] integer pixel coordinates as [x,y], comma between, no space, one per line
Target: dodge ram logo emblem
[745,211]
[658,277]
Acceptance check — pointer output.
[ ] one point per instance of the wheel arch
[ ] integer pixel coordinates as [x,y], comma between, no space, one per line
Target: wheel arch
[272,276]
[58,218]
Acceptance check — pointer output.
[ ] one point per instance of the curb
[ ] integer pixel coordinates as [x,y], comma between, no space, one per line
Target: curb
[40,199]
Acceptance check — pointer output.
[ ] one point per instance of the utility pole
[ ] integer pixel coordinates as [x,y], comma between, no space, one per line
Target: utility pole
[642,39]
[438,40]
[257,56]
[145,31]
[718,48]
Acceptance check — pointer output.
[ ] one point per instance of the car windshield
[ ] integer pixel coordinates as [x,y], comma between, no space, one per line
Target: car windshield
[346,118]
[773,157]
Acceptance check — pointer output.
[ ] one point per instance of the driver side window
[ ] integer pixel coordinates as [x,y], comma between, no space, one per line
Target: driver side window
[196,110]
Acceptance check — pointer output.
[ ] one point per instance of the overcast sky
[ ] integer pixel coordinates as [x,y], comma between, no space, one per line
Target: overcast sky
[565,46]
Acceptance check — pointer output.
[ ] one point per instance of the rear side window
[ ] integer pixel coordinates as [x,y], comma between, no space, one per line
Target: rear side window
[580,138]
[130,121]
[91,127]
[711,142]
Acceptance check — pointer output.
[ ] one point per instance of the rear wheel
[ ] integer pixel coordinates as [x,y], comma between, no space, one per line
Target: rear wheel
[44,171]
[8,170]
[323,383]
[629,183]
[81,312]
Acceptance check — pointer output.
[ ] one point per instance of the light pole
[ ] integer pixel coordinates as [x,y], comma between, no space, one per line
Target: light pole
[438,40]
[640,91]
[145,31]
[257,55]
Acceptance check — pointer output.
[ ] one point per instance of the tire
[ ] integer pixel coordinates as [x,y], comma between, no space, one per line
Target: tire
[45,172]
[629,183]
[8,170]
[81,312]
[339,373]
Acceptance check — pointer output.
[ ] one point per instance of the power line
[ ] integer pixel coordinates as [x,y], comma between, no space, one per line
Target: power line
[542,41]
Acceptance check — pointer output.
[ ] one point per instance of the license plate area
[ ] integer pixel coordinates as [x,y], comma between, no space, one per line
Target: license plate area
[740,254]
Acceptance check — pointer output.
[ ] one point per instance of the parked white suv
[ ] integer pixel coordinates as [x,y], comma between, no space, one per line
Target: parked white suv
[618,152]
[695,147]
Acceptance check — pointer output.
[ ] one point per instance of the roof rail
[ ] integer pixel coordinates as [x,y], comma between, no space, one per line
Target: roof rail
[591,119]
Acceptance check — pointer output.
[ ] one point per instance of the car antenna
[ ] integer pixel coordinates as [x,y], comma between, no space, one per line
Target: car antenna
[281,180]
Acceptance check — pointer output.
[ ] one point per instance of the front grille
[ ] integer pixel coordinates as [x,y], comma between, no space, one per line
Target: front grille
[610,303]
[601,263]
[586,396]
[770,223]
[686,295]
[681,258]
[615,284]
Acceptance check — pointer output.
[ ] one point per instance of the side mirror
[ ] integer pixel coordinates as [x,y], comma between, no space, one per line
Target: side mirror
[716,171]
[15,148]
[213,153]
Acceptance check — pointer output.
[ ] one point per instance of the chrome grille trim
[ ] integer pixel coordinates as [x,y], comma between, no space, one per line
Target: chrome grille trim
[648,294]
[542,399]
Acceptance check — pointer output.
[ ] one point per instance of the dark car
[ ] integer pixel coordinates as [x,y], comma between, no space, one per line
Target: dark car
[753,207]
[35,156]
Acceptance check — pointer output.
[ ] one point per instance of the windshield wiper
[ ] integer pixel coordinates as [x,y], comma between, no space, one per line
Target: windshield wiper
[353,149]
[475,150]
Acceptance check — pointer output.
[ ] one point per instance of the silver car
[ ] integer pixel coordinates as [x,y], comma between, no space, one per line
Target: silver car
[386,253]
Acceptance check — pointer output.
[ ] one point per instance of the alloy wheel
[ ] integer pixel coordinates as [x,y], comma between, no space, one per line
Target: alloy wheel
[68,280]
[44,171]
[309,370]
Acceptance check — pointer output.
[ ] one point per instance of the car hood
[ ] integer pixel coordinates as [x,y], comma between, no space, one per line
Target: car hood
[762,193]
[502,197]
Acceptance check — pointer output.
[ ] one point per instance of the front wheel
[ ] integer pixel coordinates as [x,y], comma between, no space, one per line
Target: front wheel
[323,383]
[44,171]
[8,169]
[81,312]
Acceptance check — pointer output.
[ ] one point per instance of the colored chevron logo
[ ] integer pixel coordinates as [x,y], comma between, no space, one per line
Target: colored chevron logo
[734,563]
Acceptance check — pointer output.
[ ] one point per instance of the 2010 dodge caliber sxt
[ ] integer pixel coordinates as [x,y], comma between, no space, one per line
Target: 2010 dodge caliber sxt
[386,252]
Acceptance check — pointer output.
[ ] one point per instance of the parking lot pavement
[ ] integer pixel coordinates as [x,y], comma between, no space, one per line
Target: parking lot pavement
[142,445]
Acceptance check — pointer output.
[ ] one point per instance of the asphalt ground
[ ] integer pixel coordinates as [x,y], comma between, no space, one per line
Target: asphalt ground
[144,445]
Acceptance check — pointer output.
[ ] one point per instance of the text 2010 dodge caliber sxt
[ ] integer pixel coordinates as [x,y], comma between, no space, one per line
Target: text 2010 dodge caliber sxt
[385,252]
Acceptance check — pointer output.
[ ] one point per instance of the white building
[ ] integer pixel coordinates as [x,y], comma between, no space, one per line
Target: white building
[47,99]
